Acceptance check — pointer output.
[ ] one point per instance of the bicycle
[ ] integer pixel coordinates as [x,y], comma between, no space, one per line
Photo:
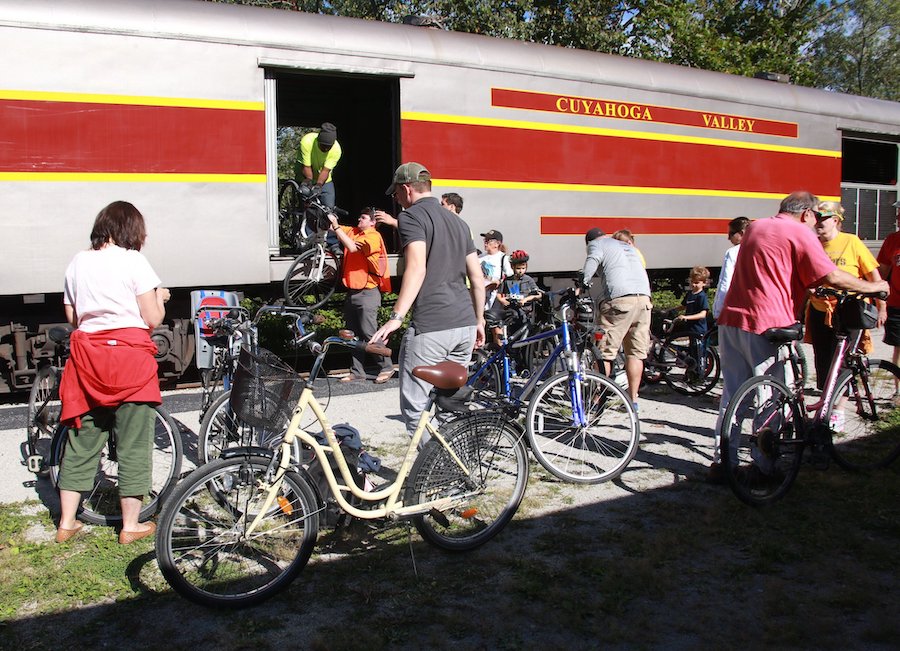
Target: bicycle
[711,340]
[225,335]
[239,529]
[316,272]
[100,505]
[220,426]
[44,406]
[673,358]
[580,425]
[765,428]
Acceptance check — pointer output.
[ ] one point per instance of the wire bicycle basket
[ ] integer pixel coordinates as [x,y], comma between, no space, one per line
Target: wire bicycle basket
[264,390]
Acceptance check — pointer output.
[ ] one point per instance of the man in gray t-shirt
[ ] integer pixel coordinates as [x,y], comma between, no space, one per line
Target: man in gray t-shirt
[447,317]
[624,302]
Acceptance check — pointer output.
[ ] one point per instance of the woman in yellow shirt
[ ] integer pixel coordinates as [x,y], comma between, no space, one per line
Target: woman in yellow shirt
[851,255]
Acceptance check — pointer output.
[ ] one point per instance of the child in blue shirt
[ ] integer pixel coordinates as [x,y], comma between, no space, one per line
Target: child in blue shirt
[696,306]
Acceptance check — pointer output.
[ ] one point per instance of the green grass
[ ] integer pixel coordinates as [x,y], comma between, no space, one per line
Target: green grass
[687,566]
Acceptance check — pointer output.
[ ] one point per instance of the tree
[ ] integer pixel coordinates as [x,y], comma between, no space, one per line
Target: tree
[858,50]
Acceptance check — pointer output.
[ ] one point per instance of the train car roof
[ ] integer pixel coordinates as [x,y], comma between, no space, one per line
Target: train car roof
[238,24]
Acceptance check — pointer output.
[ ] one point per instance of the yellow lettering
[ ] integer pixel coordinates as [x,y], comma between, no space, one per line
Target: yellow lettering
[750,124]
[706,120]
[598,108]
[610,110]
[586,105]
[562,102]
[647,115]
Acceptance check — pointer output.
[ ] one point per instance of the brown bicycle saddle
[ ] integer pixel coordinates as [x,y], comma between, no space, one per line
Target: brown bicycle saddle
[443,375]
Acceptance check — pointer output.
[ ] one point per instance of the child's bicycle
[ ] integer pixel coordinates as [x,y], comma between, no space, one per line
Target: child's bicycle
[240,528]
[682,359]
[581,426]
[857,423]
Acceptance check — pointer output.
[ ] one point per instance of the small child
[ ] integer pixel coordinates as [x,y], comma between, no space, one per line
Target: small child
[695,306]
[519,288]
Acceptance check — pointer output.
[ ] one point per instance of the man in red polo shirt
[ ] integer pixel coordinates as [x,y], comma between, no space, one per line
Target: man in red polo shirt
[888,261]
[780,259]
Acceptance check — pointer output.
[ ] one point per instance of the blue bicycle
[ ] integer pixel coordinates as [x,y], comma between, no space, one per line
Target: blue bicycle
[581,425]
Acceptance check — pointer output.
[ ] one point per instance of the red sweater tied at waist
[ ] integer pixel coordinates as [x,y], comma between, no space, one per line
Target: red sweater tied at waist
[106,369]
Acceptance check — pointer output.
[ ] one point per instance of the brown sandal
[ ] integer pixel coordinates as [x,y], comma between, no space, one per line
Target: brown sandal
[62,535]
[128,537]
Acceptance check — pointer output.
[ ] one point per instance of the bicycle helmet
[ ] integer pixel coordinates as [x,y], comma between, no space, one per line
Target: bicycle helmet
[518,257]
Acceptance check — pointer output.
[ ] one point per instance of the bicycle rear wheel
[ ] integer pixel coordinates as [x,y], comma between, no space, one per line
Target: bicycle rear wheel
[488,380]
[312,278]
[486,492]
[44,408]
[597,450]
[762,441]
[295,232]
[101,505]
[202,544]
[868,434]
[685,375]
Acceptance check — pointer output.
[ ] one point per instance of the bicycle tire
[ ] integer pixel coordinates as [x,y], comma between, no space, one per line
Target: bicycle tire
[221,429]
[488,381]
[489,491]
[803,365]
[683,375]
[100,505]
[305,285]
[589,454]
[538,354]
[762,438]
[200,543]
[870,436]
[292,217]
[44,408]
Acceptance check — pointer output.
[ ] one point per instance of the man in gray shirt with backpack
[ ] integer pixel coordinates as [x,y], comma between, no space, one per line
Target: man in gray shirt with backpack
[624,303]
[448,316]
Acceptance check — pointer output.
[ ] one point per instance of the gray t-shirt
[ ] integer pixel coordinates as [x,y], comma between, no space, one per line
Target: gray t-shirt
[618,266]
[444,301]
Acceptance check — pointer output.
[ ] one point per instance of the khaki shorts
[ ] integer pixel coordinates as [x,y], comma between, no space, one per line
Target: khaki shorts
[627,323]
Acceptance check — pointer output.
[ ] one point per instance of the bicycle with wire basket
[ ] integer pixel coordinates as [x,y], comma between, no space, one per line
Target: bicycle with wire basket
[220,427]
[225,336]
[316,271]
[581,426]
[765,429]
[239,529]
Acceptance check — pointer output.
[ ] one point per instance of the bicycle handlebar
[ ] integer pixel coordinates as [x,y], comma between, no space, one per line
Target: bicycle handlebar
[823,292]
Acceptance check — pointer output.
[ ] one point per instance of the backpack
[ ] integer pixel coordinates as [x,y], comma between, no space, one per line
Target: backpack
[361,465]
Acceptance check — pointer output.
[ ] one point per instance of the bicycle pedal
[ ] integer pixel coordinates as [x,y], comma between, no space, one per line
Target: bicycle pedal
[35,463]
[440,518]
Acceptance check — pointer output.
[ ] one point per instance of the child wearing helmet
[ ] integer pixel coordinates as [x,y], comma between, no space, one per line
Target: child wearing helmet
[518,288]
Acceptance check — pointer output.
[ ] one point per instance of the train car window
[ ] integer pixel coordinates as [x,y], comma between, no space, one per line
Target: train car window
[869,187]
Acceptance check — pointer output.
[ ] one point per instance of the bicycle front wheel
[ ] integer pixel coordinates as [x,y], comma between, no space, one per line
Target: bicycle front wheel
[204,548]
[583,431]
[762,440]
[486,489]
[100,505]
[866,422]
[312,278]
[44,408]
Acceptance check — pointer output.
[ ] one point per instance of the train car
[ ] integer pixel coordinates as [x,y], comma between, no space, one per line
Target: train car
[182,107]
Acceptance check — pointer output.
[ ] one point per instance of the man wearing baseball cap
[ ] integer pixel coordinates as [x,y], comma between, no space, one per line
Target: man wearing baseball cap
[319,154]
[624,302]
[447,316]
[888,261]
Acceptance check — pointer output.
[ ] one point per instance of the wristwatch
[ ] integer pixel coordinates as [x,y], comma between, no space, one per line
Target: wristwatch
[395,316]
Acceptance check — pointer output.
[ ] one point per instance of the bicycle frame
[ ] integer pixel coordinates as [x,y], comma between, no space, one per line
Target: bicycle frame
[393,506]
[564,346]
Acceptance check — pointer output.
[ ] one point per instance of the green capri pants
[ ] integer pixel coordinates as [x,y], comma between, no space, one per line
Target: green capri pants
[133,425]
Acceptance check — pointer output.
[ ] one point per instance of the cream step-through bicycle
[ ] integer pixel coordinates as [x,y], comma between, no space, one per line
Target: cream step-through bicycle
[239,529]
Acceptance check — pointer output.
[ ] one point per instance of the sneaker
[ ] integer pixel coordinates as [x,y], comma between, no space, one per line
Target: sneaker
[715,474]
[836,421]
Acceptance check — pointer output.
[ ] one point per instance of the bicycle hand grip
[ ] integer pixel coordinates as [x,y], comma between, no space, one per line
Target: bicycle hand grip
[378,349]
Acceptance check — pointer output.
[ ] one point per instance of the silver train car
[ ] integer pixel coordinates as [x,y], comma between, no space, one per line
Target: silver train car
[179,107]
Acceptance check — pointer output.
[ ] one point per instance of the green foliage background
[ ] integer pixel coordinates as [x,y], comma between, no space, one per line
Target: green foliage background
[850,46]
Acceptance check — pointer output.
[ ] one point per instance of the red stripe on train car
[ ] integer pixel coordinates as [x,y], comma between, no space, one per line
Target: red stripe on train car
[567,225]
[490,153]
[41,136]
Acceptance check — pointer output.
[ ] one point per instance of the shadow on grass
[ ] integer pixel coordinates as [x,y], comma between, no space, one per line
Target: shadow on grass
[683,566]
